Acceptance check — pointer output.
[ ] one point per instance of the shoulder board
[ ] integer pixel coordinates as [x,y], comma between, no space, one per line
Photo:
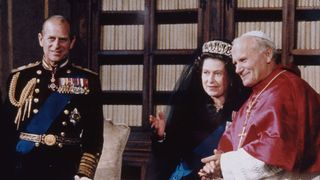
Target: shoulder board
[30,65]
[85,69]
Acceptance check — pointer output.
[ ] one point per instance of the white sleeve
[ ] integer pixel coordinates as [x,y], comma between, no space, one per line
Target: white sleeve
[241,165]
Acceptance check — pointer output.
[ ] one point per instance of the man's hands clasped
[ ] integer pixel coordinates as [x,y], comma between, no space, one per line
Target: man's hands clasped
[212,168]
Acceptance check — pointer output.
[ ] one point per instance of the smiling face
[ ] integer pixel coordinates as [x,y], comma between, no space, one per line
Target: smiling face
[253,64]
[214,78]
[55,40]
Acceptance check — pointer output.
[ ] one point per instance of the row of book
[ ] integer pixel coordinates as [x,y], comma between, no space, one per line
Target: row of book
[122,37]
[308,35]
[311,74]
[259,3]
[167,76]
[138,5]
[177,36]
[308,3]
[162,108]
[123,5]
[184,36]
[131,37]
[127,114]
[121,77]
[275,3]
[273,29]
[129,77]
[177,4]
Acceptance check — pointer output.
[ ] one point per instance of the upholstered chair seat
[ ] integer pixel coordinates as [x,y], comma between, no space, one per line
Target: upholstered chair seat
[115,139]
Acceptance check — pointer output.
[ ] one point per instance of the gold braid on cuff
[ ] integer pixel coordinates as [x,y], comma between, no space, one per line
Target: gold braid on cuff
[88,165]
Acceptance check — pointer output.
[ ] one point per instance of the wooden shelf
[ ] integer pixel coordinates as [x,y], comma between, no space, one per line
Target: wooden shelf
[308,8]
[137,152]
[306,60]
[174,56]
[307,14]
[174,59]
[122,17]
[120,52]
[259,9]
[121,11]
[176,10]
[306,52]
[162,97]
[174,52]
[255,14]
[178,16]
[120,57]
[122,97]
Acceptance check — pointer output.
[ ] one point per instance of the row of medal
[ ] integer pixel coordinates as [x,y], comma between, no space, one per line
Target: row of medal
[71,86]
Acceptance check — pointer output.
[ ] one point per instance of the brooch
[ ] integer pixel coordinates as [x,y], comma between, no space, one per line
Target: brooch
[75,116]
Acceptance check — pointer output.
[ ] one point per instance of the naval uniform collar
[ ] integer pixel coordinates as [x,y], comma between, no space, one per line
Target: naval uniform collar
[53,81]
[47,66]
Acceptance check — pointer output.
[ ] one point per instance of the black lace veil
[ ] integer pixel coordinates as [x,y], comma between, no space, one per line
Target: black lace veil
[188,91]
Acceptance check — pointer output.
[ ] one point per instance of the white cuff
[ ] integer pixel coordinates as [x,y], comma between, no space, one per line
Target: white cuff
[163,138]
[241,165]
[76,177]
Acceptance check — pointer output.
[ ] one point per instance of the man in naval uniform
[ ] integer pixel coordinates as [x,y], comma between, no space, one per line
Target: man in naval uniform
[53,123]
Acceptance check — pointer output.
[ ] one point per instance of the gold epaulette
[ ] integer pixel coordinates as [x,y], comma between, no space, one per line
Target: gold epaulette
[30,65]
[88,165]
[85,69]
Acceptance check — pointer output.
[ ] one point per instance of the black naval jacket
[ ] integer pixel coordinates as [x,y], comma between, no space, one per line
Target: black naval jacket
[72,142]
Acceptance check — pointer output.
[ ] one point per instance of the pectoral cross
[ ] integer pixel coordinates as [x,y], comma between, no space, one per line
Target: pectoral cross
[250,105]
[243,132]
[242,135]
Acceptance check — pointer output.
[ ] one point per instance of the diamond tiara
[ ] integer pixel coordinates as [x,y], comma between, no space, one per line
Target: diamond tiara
[217,47]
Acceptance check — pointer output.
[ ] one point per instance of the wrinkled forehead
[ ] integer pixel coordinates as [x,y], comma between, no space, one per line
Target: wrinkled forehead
[213,64]
[56,26]
[242,47]
[244,43]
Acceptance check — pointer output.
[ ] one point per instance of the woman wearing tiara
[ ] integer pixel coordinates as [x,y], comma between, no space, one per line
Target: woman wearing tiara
[200,108]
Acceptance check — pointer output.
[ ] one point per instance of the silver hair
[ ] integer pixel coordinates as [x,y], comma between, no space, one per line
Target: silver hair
[263,41]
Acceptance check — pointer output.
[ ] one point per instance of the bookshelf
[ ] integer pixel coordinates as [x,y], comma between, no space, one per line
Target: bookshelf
[159,36]
[122,55]
[143,46]
[302,41]
[308,57]
[174,41]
